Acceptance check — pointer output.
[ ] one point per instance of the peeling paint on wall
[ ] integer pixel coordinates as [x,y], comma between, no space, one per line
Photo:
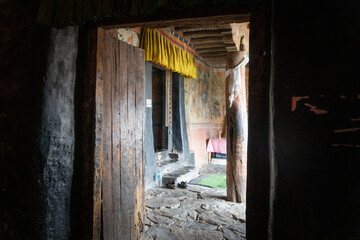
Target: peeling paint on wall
[352,97]
[294,100]
[346,130]
[315,109]
[129,36]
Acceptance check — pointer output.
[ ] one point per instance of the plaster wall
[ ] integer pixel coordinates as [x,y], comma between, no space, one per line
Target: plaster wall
[204,109]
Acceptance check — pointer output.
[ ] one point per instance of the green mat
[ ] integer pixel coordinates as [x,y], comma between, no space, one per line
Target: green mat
[214,181]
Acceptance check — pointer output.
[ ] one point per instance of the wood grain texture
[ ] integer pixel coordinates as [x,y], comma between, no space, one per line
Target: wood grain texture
[209,45]
[201,28]
[97,225]
[207,40]
[108,223]
[210,50]
[236,118]
[122,82]
[139,213]
[214,54]
[116,136]
[205,33]
[124,147]
[131,180]
[184,25]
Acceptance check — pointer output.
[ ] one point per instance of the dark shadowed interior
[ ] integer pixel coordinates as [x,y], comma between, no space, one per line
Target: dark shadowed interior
[304,117]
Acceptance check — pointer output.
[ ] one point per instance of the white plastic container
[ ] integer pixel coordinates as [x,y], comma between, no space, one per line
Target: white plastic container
[159,180]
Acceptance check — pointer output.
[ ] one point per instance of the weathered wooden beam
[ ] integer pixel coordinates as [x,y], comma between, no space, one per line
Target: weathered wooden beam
[228,38]
[226,32]
[199,23]
[99,134]
[214,54]
[209,45]
[198,27]
[205,33]
[207,40]
[207,50]
[237,128]
[221,58]
[231,48]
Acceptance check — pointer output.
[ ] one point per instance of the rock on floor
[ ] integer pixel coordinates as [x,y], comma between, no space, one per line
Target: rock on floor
[193,214]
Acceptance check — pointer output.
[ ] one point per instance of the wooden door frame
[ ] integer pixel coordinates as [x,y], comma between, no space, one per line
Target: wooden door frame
[258,176]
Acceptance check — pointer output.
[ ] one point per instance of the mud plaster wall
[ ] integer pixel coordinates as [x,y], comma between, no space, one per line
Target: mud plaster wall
[23,46]
[204,108]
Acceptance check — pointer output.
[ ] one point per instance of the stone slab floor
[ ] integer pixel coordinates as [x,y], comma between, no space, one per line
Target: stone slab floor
[194,213]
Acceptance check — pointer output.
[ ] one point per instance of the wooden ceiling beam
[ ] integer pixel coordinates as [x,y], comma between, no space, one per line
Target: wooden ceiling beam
[207,50]
[207,40]
[205,33]
[210,45]
[228,39]
[199,27]
[221,58]
[214,54]
[199,23]
[226,32]
[231,48]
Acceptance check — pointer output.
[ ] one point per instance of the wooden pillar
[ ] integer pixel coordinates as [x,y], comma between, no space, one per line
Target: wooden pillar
[237,129]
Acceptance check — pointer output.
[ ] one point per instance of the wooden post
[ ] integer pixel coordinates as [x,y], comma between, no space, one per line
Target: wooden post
[237,129]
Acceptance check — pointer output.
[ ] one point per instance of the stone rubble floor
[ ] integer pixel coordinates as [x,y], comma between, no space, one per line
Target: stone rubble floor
[193,213]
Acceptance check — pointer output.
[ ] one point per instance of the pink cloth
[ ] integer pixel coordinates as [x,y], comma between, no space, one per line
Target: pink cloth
[216,145]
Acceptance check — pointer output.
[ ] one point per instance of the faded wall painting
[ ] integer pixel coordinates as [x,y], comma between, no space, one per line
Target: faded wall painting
[197,97]
[217,89]
[204,108]
[205,96]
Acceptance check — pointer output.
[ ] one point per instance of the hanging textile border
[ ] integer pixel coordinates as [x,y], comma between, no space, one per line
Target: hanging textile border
[162,47]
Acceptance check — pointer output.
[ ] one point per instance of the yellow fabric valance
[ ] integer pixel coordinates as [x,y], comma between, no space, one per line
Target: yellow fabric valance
[167,50]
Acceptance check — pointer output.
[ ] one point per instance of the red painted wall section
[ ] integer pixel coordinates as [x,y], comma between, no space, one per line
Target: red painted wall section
[204,108]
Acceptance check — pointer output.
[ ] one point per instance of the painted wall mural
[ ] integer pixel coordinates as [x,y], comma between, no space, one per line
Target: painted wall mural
[205,96]
[204,108]
[217,89]
[197,97]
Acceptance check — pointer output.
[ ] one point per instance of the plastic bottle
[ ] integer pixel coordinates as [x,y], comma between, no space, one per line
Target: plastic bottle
[159,180]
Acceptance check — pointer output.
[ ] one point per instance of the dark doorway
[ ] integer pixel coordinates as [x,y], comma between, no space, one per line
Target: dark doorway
[160,130]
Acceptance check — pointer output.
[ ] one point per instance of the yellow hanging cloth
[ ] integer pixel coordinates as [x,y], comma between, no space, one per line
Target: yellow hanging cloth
[170,52]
